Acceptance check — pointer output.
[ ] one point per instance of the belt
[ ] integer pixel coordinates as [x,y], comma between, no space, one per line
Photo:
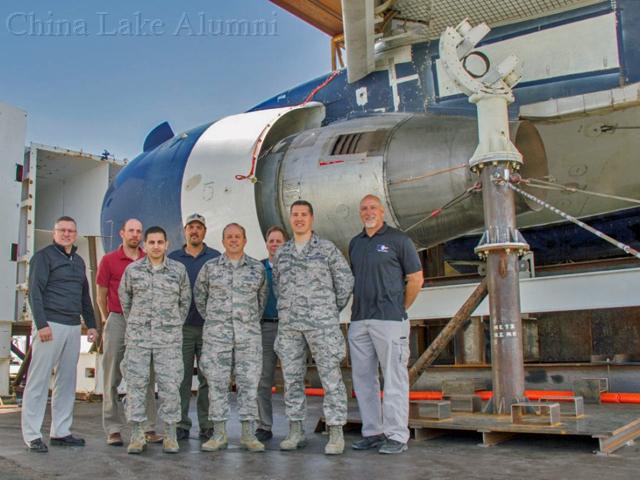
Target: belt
[270,320]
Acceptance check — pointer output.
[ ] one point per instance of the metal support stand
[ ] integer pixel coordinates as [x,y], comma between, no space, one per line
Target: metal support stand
[495,161]
[495,158]
[501,252]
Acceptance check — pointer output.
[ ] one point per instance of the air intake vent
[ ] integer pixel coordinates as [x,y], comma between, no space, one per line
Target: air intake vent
[370,143]
[347,144]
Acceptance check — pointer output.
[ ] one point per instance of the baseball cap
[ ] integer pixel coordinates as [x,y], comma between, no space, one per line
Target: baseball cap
[195,217]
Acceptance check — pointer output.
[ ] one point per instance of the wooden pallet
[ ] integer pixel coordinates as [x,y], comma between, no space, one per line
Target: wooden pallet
[612,426]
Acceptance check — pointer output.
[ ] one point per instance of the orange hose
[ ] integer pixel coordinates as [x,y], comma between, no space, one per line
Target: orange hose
[326,82]
[314,392]
[629,397]
[258,143]
[536,394]
[485,395]
[608,397]
[425,395]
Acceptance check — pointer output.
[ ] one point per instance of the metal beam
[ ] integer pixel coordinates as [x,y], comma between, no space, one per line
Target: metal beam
[325,15]
[562,293]
[358,18]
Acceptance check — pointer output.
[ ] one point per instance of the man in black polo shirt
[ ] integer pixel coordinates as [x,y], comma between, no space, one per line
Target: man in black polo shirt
[193,255]
[388,277]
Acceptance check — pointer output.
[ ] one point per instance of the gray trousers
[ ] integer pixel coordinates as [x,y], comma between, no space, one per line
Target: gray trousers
[113,352]
[269,359]
[60,355]
[192,350]
[383,342]
[327,345]
[137,367]
[241,356]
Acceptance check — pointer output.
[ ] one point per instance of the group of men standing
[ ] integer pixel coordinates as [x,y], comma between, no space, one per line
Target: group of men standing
[234,314]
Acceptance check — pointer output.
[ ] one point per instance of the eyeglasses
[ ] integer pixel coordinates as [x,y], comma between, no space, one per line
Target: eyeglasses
[65,230]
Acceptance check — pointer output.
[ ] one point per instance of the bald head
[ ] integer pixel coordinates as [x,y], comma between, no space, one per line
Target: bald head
[371,213]
[371,197]
[131,233]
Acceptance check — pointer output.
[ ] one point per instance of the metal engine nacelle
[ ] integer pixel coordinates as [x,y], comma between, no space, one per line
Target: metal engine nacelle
[415,163]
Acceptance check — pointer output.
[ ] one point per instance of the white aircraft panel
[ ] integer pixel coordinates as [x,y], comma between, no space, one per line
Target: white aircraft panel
[225,149]
[589,45]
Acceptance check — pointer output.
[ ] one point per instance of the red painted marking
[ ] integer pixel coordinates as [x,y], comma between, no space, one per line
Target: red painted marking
[332,162]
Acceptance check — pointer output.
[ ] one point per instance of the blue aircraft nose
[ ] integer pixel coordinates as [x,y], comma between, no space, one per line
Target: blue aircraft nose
[149,189]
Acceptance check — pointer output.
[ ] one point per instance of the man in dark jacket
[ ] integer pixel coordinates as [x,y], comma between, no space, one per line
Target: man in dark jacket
[58,295]
[193,255]
[276,236]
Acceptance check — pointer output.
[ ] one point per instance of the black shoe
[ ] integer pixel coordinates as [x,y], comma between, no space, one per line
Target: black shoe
[264,435]
[206,434]
[182,434]
[38,446]
[68,441]
[366,443]
[392,447]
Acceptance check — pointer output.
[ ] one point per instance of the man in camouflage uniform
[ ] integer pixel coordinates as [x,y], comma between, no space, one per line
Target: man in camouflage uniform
[313,282]
[155,295]
[230,293]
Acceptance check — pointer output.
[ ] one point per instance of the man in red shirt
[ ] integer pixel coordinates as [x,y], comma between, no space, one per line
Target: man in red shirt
[110,271]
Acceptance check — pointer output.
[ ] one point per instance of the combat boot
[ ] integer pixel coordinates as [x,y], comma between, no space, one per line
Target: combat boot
[335,445]
[170,442]
[295,439]
[248,439]
[137,441]
[219,439]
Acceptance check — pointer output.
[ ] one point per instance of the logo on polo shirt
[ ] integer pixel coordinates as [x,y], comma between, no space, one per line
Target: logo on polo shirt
[382,248]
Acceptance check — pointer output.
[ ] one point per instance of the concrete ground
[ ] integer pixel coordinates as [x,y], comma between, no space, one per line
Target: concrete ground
[447,457]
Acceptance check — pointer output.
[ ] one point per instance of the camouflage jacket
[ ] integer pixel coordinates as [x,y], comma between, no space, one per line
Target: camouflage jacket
[231,299]
[155,303]
[311,286]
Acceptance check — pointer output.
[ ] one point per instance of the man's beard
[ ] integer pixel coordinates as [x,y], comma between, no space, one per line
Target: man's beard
[195,242]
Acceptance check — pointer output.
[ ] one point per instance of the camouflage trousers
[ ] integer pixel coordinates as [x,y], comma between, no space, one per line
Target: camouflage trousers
[328,348]
[169,368]
[217,365]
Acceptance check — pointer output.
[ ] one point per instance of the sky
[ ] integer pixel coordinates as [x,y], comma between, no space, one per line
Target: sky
[100,75]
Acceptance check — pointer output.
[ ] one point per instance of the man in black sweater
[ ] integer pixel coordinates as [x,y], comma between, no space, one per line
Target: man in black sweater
[58,295]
